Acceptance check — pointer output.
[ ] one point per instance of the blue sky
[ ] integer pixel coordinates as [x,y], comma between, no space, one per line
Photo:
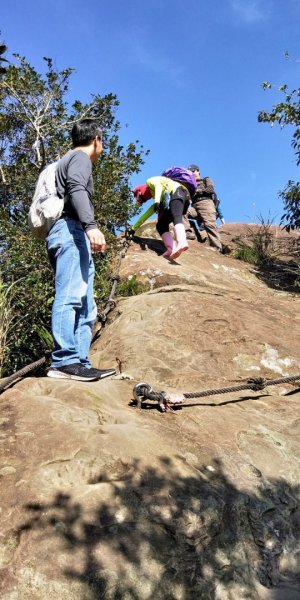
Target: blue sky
[188,76]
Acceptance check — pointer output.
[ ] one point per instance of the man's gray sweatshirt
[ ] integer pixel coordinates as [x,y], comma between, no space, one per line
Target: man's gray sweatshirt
[74,180]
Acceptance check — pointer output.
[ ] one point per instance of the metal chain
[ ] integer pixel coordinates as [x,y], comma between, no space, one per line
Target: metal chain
[110,303]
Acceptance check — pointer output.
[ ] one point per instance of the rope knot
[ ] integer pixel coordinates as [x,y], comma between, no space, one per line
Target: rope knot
[101,317]
[257,383]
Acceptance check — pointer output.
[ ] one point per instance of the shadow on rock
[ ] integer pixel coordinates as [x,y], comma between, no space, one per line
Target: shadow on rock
[165,535]
[280,275]
[150,243]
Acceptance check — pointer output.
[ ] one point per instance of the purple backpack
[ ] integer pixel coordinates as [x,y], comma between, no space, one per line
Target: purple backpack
[184,176]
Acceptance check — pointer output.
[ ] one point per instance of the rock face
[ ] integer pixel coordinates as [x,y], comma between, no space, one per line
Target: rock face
[278,241]
[102,500]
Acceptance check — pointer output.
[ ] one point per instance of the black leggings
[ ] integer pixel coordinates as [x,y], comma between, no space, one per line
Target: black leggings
[179,203]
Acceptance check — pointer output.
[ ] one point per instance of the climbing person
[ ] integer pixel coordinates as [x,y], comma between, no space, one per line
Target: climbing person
[171,201]
[204,210]
[70,243]
[191,229]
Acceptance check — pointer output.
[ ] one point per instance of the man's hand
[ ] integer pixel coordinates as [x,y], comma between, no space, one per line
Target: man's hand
[97,240]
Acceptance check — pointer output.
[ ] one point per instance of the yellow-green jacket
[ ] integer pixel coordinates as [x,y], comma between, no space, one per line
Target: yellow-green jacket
[158,186]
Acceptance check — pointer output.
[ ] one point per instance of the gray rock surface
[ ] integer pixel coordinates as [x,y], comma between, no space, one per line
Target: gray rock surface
[101,500]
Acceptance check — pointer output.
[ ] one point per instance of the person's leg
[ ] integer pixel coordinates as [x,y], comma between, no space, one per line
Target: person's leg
[162,226]
[207,213]
[74,309]
[190,233]
[200,231]
[189,223]
[84,324]
[86,316]
[191,213]
[178,206]
[69,254]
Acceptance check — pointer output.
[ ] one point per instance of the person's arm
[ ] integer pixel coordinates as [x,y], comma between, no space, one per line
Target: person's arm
[150,211]
[209,186]
[79,187]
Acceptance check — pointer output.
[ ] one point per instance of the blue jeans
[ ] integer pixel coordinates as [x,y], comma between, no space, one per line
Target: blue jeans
[74,310]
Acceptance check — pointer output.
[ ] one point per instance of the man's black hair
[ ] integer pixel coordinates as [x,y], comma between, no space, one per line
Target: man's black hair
[84,132]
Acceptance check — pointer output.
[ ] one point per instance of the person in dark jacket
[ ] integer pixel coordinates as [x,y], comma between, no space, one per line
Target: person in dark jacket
[203,209]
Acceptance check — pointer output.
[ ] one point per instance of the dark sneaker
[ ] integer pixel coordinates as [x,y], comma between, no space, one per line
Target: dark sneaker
[102,373]
[75,371]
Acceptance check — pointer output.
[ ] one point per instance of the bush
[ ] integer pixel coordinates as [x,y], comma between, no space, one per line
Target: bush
[6,320]
[130,287]
[261,247]
[247,254]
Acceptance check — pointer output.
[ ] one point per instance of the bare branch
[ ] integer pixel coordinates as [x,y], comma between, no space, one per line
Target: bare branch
[3,175]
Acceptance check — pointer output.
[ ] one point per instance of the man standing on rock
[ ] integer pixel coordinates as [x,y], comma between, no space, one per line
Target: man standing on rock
[70,244]
[203,208]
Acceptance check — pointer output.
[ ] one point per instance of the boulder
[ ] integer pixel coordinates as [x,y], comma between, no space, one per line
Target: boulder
[100,499]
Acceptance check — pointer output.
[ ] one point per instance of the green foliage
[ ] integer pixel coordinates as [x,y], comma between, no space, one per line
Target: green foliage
[35,122]
[261,248]
[246,253]
[6,319]
[130,287]
[291,200]
[23,258]
[3,68]
[271,256]
[286,113]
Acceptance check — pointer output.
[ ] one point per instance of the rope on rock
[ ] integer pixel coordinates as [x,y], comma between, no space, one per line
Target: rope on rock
[165,400]
[7,381]
[102,317]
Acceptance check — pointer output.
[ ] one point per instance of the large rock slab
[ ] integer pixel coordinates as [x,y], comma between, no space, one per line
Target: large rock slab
[102,500]
[275,239]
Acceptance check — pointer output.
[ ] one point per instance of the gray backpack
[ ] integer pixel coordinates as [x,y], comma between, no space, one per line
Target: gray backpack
[46,207]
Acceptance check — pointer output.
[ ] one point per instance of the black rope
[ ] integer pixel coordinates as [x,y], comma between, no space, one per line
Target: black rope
[145,392]
[22,372]
[254,383]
